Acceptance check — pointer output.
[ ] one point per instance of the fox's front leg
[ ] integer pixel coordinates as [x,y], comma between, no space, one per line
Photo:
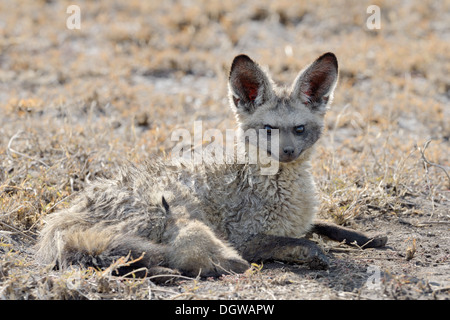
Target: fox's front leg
[349,236]
[291,250]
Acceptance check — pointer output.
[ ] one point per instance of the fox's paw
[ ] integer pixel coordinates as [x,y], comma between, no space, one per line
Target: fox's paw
[163,275]
[307,252]
[303,251]
[217,265]
[229,265]
[377,241]
[318,261]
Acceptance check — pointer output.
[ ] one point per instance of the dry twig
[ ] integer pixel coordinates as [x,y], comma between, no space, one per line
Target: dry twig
[425,160]
[10,150]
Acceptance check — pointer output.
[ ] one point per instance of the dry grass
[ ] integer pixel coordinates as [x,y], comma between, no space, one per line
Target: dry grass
[77,103]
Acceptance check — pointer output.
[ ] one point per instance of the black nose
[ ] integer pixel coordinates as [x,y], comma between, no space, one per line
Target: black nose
[288,150]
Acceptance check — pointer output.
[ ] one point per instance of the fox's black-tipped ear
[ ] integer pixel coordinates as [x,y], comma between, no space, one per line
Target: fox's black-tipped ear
[315,85]
[249,86]
[165,204]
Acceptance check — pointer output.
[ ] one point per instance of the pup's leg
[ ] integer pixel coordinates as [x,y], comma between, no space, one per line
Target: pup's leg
[195,250]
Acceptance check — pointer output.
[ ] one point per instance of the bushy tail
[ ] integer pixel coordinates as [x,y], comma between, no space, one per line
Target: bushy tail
[91,247]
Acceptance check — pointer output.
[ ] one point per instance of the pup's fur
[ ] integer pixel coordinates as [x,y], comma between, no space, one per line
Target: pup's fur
[208,219]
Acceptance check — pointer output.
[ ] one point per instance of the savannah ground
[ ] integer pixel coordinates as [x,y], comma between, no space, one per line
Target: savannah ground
[77,104]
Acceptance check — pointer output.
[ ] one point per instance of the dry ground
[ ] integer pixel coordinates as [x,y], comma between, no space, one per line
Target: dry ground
[75,104]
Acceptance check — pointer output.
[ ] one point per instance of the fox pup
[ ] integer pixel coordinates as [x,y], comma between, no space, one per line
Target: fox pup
[212,218]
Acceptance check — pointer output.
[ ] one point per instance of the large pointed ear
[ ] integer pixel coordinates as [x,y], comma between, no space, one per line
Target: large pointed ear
[315,85]
[249,86]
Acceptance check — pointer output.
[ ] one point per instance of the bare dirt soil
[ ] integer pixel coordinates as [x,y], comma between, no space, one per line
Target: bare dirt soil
[76,104]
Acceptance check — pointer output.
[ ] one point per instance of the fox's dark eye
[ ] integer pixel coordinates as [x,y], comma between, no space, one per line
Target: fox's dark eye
[268,129]
[299,129]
